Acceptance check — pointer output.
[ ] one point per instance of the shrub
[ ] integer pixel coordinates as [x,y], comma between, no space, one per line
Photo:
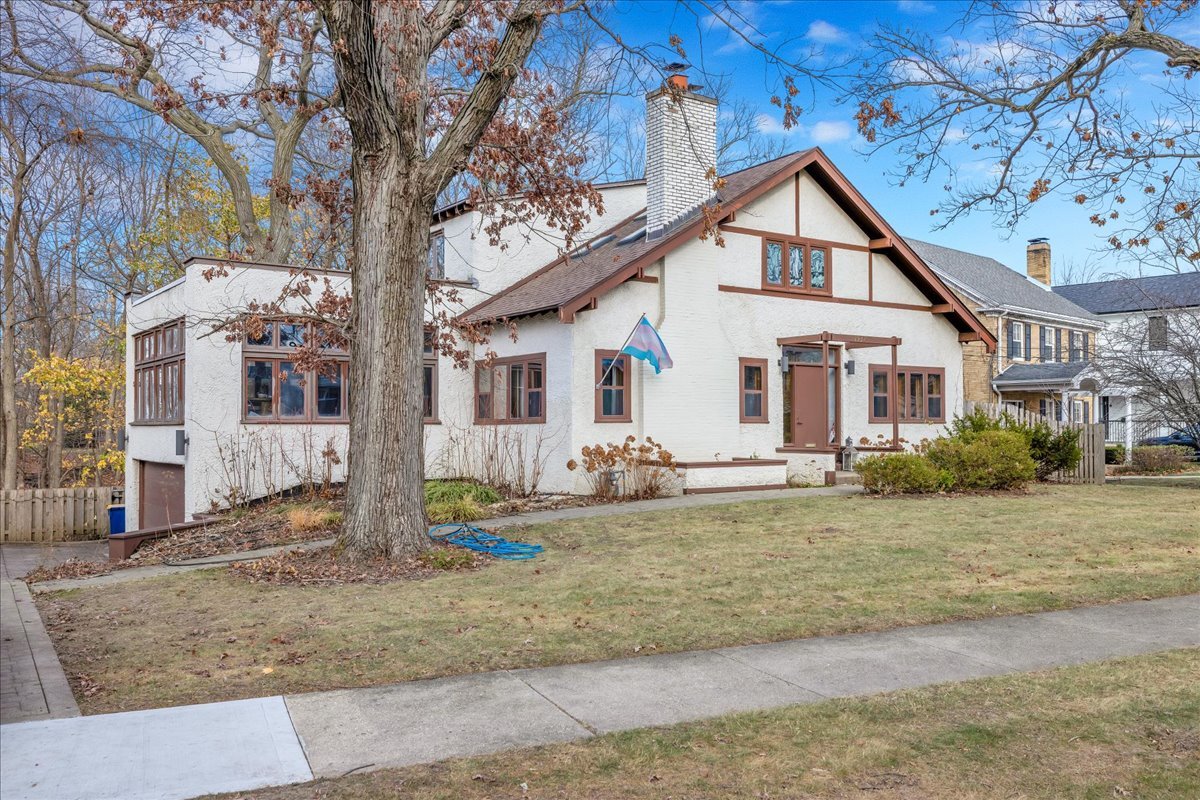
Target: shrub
[464,509]
[1050,450]
[305,519]
[993,459]
[901,473]
[447,559]
[452,491]
[648,468]
[1159,459]
[1114,454]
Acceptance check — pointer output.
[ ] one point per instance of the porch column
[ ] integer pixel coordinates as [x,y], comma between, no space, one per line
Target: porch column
[892,401]
[825,388]
[1128,429]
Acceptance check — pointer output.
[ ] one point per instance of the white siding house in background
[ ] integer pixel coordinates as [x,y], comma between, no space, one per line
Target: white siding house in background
[814,323]
[1137,313]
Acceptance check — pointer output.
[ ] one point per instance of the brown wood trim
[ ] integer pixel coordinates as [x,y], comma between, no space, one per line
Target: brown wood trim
[736,462]
[871,276]
[973,336]
[122,545]
[644,279]
[796,202]
[531,358]
[941,308]
[627,387]
[780,235]
[722,489]
[761,363]
[820,298]
[791,448]
[849,340]
[881,243]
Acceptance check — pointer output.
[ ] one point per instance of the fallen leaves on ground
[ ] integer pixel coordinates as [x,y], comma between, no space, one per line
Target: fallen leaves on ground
[322,567]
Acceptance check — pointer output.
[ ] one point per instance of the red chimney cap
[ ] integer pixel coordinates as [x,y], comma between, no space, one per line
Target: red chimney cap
[678,81]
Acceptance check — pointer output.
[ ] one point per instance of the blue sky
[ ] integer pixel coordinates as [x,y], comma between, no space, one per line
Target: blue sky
[831,31]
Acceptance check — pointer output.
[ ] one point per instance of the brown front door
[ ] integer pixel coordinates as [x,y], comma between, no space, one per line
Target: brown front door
[809,418]
[161,501]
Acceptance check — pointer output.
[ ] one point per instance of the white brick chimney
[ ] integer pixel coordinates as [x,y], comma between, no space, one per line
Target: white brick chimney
[681,147]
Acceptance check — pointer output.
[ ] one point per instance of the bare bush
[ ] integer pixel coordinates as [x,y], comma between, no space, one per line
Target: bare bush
[647,469]
[510,459]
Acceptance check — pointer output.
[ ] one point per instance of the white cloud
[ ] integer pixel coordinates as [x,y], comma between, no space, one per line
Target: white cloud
[824,32]
[827,131]
[824,131]
[914,7]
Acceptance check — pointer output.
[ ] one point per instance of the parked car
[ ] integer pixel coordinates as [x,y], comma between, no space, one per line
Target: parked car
[1178,438]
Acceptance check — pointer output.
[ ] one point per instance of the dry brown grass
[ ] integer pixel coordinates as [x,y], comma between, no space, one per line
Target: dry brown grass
[309,518]
[620,586]
[1127,728]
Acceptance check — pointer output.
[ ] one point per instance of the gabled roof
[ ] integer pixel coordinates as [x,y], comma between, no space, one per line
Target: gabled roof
[1136,294]
[574,281]
[995,285]
[1048,374]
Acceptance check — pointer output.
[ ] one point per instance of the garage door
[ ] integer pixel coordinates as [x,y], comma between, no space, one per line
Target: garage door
[162,495]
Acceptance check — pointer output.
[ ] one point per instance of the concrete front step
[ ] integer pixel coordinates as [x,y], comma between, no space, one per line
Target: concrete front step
[842,477]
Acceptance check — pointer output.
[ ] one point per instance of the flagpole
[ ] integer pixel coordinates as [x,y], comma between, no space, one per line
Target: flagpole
[613,363]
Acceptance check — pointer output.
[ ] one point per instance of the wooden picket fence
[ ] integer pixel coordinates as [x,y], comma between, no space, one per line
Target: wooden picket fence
[54,515]
[1091,440]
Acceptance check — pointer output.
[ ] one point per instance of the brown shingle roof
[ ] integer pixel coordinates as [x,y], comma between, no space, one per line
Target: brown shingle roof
[566,278]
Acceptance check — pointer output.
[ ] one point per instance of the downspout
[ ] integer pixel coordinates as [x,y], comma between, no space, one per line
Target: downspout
[995,360]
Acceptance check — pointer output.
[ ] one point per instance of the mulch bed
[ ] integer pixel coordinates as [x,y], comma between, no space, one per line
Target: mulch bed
[263,528]
[322,567]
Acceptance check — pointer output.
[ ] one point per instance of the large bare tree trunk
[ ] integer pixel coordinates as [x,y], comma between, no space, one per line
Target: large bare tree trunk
[385,508]
[8,348]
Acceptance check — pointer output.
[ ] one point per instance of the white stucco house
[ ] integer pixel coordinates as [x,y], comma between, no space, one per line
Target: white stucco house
[812,323]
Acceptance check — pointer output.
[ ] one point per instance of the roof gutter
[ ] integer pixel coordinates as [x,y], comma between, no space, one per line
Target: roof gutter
[1011,309]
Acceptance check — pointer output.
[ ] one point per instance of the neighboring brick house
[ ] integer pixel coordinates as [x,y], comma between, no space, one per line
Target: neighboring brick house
[1045,342]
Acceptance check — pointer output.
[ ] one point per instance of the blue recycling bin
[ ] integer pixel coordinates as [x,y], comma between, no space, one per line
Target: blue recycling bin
[116,519]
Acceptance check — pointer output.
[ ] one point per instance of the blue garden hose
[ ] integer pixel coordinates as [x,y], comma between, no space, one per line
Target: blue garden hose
[481,541]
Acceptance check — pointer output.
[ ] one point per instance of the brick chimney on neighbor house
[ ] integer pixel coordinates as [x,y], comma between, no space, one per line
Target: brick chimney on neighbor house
[1037,260]
[681,147]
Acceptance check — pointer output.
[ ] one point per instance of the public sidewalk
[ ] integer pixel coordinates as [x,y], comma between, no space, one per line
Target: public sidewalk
[241,745]
[528,518]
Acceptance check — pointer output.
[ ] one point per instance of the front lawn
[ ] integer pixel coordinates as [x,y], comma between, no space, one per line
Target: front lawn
[1127,728]
[618,586]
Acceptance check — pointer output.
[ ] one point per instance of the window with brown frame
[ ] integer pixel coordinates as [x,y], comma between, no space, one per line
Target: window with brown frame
[797,265]
[752,389]
[158,358]
[275,391]
[511,390]
[920,394]
[612,387]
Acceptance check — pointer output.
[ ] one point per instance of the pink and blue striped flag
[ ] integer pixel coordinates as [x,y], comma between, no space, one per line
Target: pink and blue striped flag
[646,344]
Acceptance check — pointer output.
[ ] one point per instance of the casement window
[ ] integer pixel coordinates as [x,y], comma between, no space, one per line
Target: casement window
[612,387]
[1158,332]
[274,390]
[511,390]
[1049,338]
[920,394]
[752,391]
[158,358]
[436,269]
[797,265]
[1019,340]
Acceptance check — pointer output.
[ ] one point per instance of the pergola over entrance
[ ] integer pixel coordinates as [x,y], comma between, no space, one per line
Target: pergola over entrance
[852,341]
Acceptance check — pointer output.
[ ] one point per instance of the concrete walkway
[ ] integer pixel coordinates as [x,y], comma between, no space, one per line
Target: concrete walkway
[189,751]
[530,518]
[32,683]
